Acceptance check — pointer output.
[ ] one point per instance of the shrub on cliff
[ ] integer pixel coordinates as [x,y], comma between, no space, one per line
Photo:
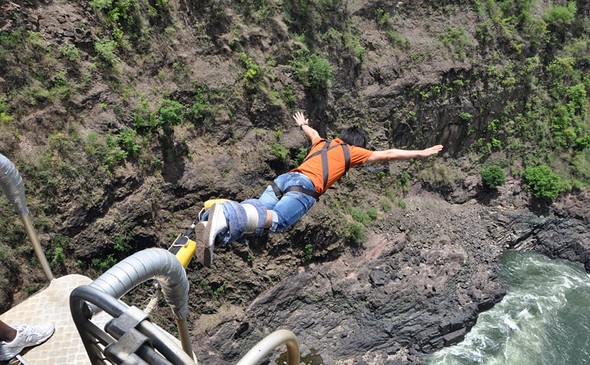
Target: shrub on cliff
[171,113]
[492,176]
[313,71]
[542,182]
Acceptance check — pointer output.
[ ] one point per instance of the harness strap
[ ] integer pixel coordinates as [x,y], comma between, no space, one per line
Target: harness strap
[300,189]
[346,157]
[324,154]
[325,163]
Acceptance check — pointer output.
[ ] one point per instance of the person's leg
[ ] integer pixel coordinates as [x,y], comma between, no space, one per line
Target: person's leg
[270,199]
[7,333]
[230,221]
[26,336]
[268,221]
[292,206]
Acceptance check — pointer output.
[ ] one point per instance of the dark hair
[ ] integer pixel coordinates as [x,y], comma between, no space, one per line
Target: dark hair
[355,136]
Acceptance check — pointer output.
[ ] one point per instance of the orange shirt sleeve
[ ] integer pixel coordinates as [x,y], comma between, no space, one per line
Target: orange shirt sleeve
[358,155]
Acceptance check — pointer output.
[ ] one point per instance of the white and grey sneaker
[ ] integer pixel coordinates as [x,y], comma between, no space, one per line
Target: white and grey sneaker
[26,336]
[206,253]
[206,232]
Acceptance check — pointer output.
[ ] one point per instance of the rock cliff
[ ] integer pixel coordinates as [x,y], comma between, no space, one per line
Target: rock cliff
[125,116]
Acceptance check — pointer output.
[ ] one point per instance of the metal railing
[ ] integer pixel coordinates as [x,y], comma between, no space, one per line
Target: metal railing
[130,338]
[152,263]
[270,343]
[14,188]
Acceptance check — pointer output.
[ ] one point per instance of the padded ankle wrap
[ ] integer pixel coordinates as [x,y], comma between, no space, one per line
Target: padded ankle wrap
[239,222]
[236,221]
[256,216]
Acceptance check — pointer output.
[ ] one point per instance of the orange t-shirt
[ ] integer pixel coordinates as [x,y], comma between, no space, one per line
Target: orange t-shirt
[313,169]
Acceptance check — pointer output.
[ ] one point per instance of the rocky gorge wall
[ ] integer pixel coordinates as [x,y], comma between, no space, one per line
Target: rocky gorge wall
[428,261]
[417,285]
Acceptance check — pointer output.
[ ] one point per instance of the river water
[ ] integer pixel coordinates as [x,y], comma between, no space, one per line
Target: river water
[543,319]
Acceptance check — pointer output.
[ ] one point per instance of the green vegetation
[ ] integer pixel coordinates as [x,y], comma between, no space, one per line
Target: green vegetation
[396,39]
[129,142]
[536,106]
[387,23]
[278,150]
[125,18]
[121,249]
[324,33]
[542,182]
[102,264]
[355,233]
[314,72]
[34,74]
[69,52]
[308,253]
[301,155]
[386,205]
[559,16]
[219,291]
[456,40]
[56,256]
[105,50]
[365,217]
[314,19]
[257,11]
[402,204]
[207,104]
[465,117]
[492,176]
[121,244]
[170,113]
[213,289]
[253,70]
[4,117]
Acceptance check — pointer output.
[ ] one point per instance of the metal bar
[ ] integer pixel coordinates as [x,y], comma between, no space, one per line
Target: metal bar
[13,186]
[271,342]
[37,246]
[184,336]
[116,308]
[22,360]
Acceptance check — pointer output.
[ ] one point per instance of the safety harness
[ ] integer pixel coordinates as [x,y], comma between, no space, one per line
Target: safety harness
[324,155]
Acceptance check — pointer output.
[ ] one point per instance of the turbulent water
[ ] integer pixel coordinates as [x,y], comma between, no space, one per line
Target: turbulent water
[543,319]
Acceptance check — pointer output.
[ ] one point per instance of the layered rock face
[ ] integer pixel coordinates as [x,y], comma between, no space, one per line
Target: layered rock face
[414,288]
[425,269]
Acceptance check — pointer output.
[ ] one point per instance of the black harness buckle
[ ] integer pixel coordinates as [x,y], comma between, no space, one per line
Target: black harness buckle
[279,193]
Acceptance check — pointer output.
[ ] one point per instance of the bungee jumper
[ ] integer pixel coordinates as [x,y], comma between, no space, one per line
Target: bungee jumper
[292,194]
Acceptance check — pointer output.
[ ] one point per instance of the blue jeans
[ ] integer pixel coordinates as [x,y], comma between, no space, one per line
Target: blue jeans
[293,205]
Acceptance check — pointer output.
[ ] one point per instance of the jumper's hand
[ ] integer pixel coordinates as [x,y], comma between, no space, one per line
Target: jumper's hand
[432,150]
[300,119]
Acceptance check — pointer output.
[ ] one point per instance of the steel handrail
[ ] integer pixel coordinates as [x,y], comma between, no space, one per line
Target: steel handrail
[109,287]
[92,335]
[151,263]
[14,188]
[271,342]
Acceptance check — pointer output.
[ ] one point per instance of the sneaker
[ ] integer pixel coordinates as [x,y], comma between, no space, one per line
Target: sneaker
[206,232]
[26,336]
[207,254]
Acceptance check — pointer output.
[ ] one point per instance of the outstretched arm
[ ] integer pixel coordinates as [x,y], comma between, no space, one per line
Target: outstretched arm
[303,123]
[395,154]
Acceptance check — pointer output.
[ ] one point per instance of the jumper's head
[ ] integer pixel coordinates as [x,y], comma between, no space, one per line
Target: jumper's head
[354,136]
